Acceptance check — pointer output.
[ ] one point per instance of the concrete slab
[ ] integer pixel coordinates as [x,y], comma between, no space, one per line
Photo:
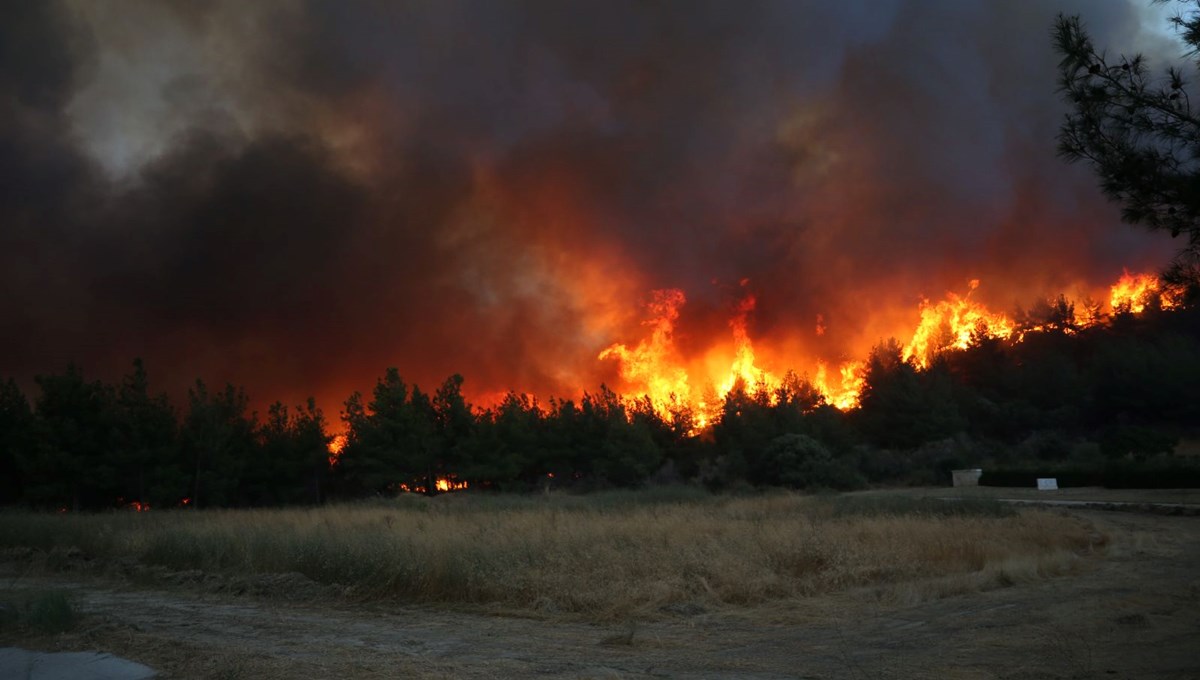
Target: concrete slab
[21,664]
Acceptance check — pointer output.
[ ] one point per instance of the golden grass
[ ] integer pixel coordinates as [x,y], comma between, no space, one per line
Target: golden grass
[595,557]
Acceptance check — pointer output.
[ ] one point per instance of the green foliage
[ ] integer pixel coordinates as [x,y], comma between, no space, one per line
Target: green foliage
[756,438]
[1120,441]
[823,471]
[218,442]
[786,457]
[382,440]
[1049,445]
[903,407]
[1147,377]
[291,464]
[629,454]
[1122,388]
[145,439]
[455,424]
[1140,134]
[799,461]
[515,435]
[16,438]
[69,464]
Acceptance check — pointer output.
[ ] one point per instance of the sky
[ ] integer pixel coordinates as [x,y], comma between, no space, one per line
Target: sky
[292,196]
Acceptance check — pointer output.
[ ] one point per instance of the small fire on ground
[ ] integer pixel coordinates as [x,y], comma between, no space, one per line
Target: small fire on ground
[440,485]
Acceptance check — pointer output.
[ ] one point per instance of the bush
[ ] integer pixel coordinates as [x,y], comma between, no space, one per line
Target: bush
[1140,442]
[823,471]
[1047,445]
[882,465]
[44,611]
[784,456]
[930,464]
[799,461]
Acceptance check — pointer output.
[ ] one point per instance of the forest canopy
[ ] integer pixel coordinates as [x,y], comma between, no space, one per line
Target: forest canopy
[1110,395]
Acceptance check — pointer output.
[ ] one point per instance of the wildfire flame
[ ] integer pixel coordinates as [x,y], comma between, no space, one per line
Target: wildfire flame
[1134,292]
[951,323]
[440,484]
[844,394]
[654,368]
[335,448]
[653,363]
[743,368]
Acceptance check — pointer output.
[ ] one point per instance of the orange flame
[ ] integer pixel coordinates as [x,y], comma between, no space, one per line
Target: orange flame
[653,363]
[950,324]
[335,448]
[845,394]
[1134,292]
[655,369]
[743,368]
[440,484]
[449,484]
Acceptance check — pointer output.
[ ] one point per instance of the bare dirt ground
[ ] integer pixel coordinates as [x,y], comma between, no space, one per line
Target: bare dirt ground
[1133,612]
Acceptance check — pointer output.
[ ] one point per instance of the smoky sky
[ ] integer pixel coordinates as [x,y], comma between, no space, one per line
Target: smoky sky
[292,196]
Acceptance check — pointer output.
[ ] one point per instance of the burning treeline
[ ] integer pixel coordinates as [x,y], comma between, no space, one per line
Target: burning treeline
[655,369]
[1095,382]
[1112,372]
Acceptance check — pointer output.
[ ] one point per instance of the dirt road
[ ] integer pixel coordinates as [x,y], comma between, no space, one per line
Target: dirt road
[1134,613]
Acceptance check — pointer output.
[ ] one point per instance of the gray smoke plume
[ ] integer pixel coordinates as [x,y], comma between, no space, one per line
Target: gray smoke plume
[294,195]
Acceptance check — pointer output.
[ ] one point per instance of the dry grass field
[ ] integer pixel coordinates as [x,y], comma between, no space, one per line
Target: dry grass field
[599,557]
[653,584]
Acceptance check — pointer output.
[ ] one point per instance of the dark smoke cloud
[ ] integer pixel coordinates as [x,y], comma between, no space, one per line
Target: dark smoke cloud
[292,196]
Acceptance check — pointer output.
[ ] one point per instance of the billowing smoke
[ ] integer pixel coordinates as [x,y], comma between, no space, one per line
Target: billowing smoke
[293,195]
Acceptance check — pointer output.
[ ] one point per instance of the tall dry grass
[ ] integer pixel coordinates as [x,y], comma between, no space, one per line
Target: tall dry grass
[602,555]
